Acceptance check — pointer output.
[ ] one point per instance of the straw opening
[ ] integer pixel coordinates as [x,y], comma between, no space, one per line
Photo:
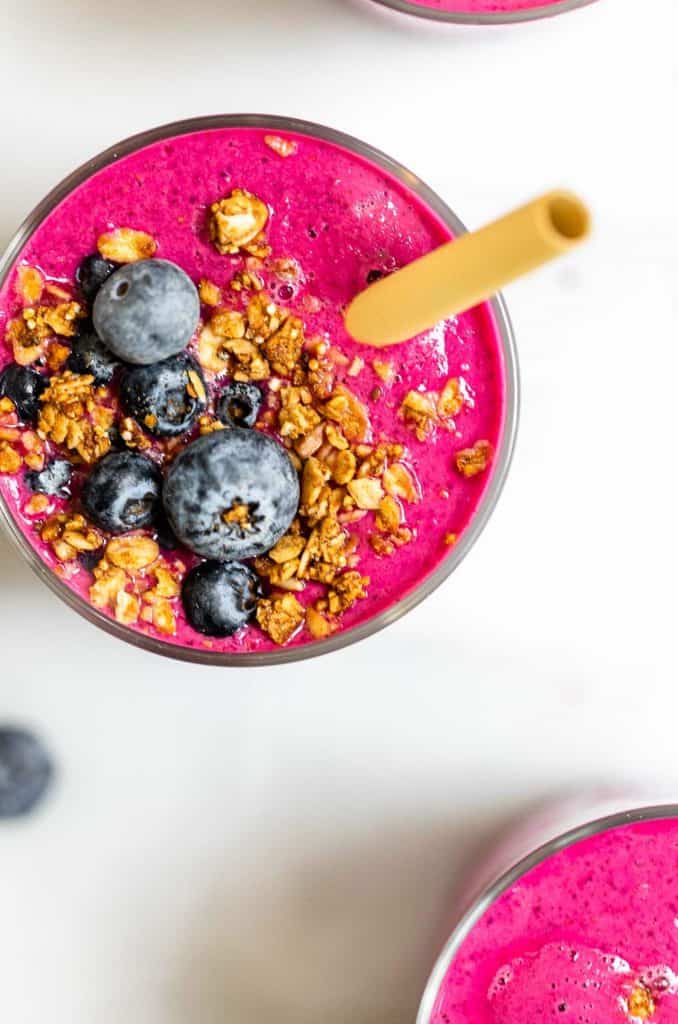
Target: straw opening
[569,217]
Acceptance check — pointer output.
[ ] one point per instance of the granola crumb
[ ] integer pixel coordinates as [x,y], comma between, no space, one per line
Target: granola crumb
[236,221]
[30,284]
[36,505]
[318,626]
[210,293]
[450,539]
[127,608]
[126,245]
[283,147]
[10,460]
[345,591]
[640,1003]
[472,461]
[280,616]
[132,553]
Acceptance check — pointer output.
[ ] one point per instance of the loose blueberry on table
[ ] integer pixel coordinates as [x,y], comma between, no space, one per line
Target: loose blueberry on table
[25,771]
[190,454]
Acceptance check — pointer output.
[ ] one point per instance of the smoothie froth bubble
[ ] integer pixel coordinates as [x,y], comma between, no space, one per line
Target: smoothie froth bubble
[395,452]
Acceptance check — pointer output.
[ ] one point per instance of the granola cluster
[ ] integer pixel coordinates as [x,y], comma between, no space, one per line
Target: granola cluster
[136,583]
[19,446]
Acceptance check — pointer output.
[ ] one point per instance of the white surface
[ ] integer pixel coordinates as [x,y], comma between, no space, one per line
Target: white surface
[279,845]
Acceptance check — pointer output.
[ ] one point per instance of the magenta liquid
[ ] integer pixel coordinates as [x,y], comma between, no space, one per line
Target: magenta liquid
[484,6]
[589,936]
[339,217]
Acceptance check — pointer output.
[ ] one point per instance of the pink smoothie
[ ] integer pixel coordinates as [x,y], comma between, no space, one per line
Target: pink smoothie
[484,6]
[588,936]
[339,217]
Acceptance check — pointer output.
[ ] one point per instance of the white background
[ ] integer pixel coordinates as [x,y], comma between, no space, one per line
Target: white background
[279,845]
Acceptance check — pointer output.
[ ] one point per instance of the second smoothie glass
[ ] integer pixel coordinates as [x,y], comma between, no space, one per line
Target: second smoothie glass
[466,14]
[501,462]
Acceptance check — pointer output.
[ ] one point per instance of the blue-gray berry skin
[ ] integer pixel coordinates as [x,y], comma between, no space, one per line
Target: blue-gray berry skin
[25,771]
[239,404]
[23,386]
[146,311]
[123,492]
[92,273]
[161,397]
[54,479]
[89,355]
[219,598]
[221,472]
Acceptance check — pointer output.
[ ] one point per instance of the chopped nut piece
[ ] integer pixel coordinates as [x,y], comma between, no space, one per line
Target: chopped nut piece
[388,515]
[27,345]
[210,293]
[246,280]
[228,323]
[313,479]
[343,467]
[296,418]
[132,553]
[335,437]
[166,586]
[208,424]
[125,245]
[399,483]
[471,461]
[451,400]
[211,354]
[250,364]
[10,460]
[288,548]
[264,317]
[419,410]
[30,284]
[126,608]
[310,444]
[163,617]
[346,590]
[356,367]
[283,147]
[283,349]
[133,435]
[108,583]
[383,369]
[195,386]
[36,504]
[68,533]
[236,221]
[641,1004]
[62,319]
[280,616]
[366,492]
[318,626]
[349,412]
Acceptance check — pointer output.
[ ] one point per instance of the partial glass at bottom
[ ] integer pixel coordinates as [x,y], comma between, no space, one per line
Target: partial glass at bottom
[494,311]
[479,12]
[581,928]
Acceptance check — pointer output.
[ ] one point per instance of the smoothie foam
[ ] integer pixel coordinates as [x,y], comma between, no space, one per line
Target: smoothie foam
[340,218]
[589,935]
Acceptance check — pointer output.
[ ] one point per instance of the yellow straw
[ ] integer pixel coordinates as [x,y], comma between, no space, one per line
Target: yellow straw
[468,270]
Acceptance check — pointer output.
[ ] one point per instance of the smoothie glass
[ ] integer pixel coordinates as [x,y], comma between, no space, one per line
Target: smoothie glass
[522,850]
[497,474]
[484,12]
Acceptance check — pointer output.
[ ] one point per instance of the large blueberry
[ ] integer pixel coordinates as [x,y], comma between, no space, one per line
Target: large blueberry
[239,404]
[92,273]
[231,494]
[146,311]
[25,771]
[23,386]
[166,397]
[89,355]
[220,598]
[122,492]
[54,479]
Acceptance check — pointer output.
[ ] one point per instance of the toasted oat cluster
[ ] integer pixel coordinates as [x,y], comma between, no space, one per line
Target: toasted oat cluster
[355,489]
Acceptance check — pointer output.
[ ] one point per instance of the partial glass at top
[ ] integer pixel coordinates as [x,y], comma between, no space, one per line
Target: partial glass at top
[484,11]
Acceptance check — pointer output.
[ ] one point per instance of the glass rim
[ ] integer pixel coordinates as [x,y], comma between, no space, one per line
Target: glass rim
[491,893]
[501,463]
[487,17]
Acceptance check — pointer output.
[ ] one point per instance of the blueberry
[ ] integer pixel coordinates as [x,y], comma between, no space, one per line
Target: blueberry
[25,772]
[23,386]
[219,598]
[163,532]
[90,355]
[53,479]
[92,273]
[90,559]
[239,404]
[231,494]
[162,397]
[122,492]
[146,311]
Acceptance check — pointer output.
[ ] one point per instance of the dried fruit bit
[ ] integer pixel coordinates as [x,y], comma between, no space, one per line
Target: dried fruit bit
[10,460]
[348,411]
[126,608]
[366,492]
[641,1004]
[280,616]
[451,399]
[236,220]
[419,411]
[132,553]
[318,626]
[125,245]
[346,590]
[283,147]
[210,293]
[30,284]
[472,461]
[388,515]
[399,483]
